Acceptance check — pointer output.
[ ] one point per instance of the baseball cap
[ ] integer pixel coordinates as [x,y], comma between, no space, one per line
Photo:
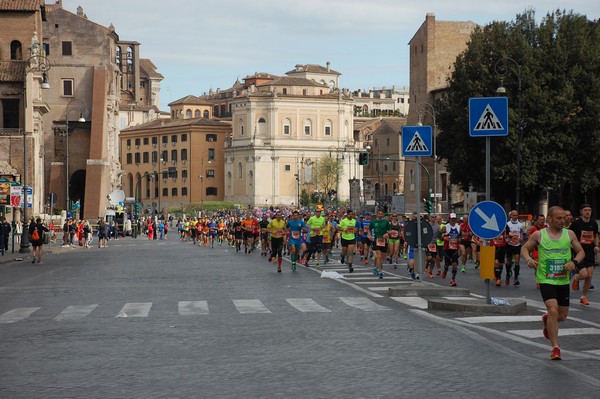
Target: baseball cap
[368,213]
[453,216]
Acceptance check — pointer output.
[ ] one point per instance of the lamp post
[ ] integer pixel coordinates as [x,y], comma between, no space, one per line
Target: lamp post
[337,151]
[502,69]
[81,107]
[160,176]
[35,63]
[421,112]
[299,155]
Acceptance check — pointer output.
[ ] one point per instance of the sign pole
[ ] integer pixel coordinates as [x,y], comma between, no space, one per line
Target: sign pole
[418,253]
[488,298]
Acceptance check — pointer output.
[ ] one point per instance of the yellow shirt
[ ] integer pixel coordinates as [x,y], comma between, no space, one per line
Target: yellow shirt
[277,228]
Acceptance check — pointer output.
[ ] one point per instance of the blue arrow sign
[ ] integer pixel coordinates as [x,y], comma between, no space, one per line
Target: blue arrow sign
[416,141]
[488,116]
[487,219]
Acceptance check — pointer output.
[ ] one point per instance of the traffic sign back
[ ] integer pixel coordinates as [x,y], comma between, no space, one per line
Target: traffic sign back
[488,116]
[410,233]
[416,141]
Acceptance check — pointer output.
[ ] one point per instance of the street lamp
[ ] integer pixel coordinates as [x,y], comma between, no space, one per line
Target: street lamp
[35,63]
[81,107]
[421,112]
[299,155]
[502,70]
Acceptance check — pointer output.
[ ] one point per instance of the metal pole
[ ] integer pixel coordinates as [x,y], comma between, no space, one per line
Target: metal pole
[488,299]
[68,205]
[418,252]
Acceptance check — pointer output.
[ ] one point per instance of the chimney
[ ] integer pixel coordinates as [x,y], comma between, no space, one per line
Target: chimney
[328,66]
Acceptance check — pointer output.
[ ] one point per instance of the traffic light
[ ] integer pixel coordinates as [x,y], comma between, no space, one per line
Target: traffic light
[138,207]
[428,206]
[363,158]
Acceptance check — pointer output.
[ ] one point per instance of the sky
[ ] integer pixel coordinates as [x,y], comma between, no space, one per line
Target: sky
[202,44]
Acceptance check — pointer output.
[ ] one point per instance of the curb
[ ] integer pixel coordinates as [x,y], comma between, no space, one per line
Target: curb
[516,305]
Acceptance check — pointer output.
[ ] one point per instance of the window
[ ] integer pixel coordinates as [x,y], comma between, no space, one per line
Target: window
[164,140]
[184,192]
[284,90]
[211,154]
[188,113]
[210,173]
[328,125]
[241,128]
[165,192]
[137,158]
[129,158]
[184,155]
[288,168]
[388,141]
[46,47]
[304,92]
[172,172]
[184,174]
[287,127]
[174,139]
[154,141]
[130,59]
[164,155]
[211,191]
[211,137]
[118,56]
[197,113]
[173,156]
[307,127]
[16,50]
[240,171]
[128,143]
[184,137]
[146,140]
[154,157]
[137,143]
[262,120]
[11,112]
[67,87]
[67,48]
[146,157]
[206,114]
[174,192]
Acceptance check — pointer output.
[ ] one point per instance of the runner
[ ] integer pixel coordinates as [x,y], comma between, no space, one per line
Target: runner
[500,255]
[328,233]
[378,234]
[248,225]
[316,223]
[552,271]
[367,241]
[263,226]
[451,234]
[465,243]
[515,233]
[394,240]
[238,234]
[432,247]
[347,228]
[586,231]
[277,229]
[295,226]
[212,232]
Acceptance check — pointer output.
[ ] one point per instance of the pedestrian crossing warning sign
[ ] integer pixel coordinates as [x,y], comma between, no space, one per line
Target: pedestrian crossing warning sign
[416,141]
[488,120]
[488,116]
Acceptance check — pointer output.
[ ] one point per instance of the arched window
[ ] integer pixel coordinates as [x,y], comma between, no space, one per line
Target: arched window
[197,114]
[328,127]
[240,171]
[229,179]
[16,50]
[165,192]
[262,120]
[395,188]
[118,56]
[184,191]
[188,114]
[129,59]
[206,114]
[250,179]
[287,126]
[307,127]
[174,192]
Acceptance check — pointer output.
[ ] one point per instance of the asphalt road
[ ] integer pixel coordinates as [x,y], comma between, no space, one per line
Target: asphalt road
[151,319]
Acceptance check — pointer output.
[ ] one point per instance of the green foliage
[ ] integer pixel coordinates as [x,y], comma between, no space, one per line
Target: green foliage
[558,107]
[329,174]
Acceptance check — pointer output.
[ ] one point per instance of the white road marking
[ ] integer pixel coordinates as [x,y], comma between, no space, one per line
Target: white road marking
[306,305]
[563,332]
[364,304]
[135,310]
[414,301]
[18,314]
[500,319]
[250,306]
[193,308]
[75,312]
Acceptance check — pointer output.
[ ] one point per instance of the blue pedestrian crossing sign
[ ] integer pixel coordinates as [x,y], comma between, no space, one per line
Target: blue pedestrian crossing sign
[488,116]
[487,220]
[416,141]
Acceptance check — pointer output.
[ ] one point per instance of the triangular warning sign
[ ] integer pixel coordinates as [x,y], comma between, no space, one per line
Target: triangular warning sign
[417,144]
[488,121]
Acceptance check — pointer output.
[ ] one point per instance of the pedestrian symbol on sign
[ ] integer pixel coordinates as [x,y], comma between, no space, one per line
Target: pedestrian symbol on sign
[488,120]
[417,144]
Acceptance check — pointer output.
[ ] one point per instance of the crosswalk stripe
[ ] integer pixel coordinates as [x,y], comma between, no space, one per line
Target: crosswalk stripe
[364,304]
[135,310]
[563,332]
[250,306]
[192,308]
[500,319]
[306,305]
[75,312]
[414,301]
[18,314]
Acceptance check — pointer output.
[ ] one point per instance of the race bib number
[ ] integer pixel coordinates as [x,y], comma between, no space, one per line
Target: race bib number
[295,235]
[316,231]
[453,243]
[587,237]
[514,238]
[263,230]
[556,268]
[431,247]
[380,242]
[393,234]
[279,232]
[350,230]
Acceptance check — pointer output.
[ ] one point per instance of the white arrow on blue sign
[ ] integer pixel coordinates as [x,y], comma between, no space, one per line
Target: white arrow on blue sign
[487,219]
[416,141]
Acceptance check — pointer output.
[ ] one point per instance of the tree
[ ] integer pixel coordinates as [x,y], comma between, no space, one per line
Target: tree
[559,104]
[329,174]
